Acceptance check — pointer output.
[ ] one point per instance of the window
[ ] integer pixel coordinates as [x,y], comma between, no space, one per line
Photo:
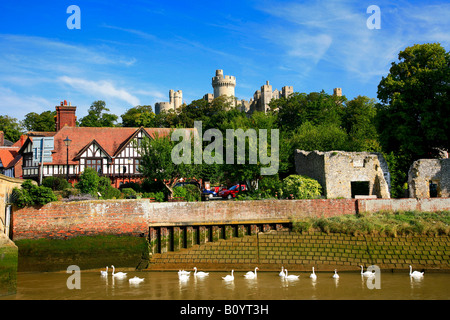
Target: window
[28,159]
[95,164]
[137,163]
[433,189]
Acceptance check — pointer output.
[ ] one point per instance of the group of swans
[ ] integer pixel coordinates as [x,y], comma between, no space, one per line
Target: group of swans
[120,275]
[313,276]
[184,275]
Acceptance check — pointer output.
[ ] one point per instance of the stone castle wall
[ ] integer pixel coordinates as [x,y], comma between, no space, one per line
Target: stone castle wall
[426,171]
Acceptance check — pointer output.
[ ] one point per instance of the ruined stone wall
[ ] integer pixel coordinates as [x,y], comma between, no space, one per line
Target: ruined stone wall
[336,170]
[424,171]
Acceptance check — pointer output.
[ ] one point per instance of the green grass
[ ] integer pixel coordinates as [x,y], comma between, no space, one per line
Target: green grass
[381,223]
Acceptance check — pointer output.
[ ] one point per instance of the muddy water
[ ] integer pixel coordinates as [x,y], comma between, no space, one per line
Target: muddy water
[267,286]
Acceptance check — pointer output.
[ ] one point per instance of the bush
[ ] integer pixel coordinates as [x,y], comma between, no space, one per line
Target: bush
[89,181]
[300,187]
[31,195]
[56,183]
[129,193]
[158,196]
[179,192]
[189,192]
[132,185]
[270,187]
[192,193]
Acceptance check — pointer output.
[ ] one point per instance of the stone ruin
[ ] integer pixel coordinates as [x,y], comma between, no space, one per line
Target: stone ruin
[429,178]
[346,174]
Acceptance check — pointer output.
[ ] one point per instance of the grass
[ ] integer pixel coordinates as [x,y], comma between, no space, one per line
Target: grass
[381,223]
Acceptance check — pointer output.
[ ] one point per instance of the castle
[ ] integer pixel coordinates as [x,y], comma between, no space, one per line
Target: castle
[224,85]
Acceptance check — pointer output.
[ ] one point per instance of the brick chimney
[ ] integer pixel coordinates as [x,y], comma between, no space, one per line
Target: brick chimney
[65,115]
[2,138]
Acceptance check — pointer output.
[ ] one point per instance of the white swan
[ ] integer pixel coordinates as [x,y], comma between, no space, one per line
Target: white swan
[183,277]
[335,275]
[183,272]
[366,273]
[415,274]
[282,274]
[136,280]
[104,273]
[290,277]
[229,277]
[200,273]
[313,275]
[118,274]
[251,274]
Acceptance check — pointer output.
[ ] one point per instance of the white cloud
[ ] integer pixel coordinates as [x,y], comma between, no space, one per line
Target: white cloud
[17,105]
[100,88]
[335,32]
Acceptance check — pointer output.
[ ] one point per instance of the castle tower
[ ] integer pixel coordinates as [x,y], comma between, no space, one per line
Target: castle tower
[337,92]
[175,102]
[65,115]
[286,91]
[223,85]
[266,96]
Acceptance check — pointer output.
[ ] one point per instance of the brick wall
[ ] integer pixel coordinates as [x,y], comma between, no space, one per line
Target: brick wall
[300,252]
[134,217]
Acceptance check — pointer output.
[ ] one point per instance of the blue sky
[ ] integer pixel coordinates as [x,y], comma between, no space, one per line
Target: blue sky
[133,52]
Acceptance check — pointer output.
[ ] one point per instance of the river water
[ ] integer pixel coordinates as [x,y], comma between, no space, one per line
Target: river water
[159,285]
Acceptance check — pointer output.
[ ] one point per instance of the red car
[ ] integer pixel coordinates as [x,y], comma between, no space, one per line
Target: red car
[232,192]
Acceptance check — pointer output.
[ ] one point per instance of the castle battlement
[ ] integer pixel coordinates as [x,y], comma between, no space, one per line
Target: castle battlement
[224,85]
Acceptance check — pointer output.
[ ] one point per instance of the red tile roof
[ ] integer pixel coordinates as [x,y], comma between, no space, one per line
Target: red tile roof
[7,155]
[111,139]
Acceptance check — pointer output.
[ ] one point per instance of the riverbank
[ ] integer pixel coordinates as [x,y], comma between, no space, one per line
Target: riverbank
[390,240]
[90,252]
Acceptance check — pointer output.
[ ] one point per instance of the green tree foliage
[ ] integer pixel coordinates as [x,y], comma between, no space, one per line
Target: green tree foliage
[315,107]
[91,183]
[44,121]
[300,187]
[157,165]
[55,183]
[30,194]
[189,192]
[139,116]
[97,116]
[10,128]
[414,116]
[359,122]
[321,137]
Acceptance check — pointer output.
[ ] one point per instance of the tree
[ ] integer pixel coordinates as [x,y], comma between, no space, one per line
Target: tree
[311,137]
[139,116]
[10,128]
[44,121]
[359,122]
[414,116]
[157,163]
[315,107]
[97,117]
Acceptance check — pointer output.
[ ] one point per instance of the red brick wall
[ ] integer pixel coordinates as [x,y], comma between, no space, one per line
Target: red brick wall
[133,217]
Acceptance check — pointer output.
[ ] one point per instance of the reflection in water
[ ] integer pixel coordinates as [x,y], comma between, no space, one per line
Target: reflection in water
[267,286]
